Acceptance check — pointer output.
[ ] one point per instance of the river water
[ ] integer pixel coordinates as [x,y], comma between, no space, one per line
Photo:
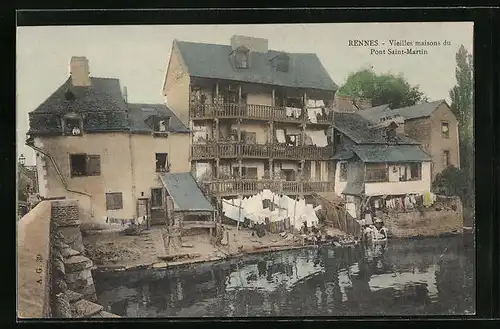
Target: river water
[433,276]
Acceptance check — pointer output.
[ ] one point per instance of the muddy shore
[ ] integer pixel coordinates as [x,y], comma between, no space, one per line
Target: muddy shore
[147,251]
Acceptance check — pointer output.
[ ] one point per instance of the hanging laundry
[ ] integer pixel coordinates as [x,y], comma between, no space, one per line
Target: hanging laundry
[377,204]
[312,114]
[280,136]
[318,137]
[408,203]
[412,200]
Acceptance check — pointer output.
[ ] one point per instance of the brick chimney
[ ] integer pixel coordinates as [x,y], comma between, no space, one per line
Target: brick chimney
[79,71]
[258,45]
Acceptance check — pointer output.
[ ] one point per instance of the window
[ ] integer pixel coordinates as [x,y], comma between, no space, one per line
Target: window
[162,162]
[160,124]
[114,201]
[445,129]
[156,197]
[343,171]
[317,167]
[248,172]
[241,58]
[85,165]
[415,171]
[73,126]
[376,172]
[446,158]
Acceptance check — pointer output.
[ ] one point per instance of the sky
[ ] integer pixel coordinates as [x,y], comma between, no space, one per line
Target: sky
[138,55]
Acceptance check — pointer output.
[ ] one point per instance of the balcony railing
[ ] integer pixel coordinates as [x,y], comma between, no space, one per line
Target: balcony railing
[275,151]
[253,111]
[253,186]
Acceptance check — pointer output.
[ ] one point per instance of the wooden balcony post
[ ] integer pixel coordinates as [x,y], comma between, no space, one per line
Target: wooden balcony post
[271,132]
[304,108]
[271,169]
[273,101]
[239,167]
[303,134]
[238,121]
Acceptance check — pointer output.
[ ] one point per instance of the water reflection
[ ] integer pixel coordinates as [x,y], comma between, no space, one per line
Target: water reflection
[429,276]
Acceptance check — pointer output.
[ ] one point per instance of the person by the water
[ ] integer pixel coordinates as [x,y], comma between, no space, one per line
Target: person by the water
[379,230]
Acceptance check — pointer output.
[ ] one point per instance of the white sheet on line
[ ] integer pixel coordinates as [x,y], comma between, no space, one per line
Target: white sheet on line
[312,114]
[280,135]
[318,137]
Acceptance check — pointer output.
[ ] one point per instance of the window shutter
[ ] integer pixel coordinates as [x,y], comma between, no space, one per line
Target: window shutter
[114,201]
[93,165]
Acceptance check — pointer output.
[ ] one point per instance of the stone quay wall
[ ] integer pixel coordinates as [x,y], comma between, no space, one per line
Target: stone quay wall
[50,246]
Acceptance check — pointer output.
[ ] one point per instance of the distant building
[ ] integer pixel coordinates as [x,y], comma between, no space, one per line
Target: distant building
[93,146]
[257,115]
[377,163]
[432,124]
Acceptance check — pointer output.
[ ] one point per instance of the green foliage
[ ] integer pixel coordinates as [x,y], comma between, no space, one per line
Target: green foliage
[451,181]
[462,105]
[382,89]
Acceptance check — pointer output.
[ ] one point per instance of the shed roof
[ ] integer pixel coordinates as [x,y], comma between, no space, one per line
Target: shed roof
[390,153]
[354,188]
[213,61]
[343,155]
[185,192]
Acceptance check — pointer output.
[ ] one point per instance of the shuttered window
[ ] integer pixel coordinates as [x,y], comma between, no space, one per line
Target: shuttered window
[114,201]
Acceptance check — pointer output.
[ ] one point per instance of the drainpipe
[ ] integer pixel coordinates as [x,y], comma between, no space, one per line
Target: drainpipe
[58,172]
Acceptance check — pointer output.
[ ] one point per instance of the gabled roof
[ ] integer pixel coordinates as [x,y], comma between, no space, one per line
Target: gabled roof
[185,192]
[360,131]
[103,109]
[213,61]
[390,153]
[104,94]
[374,114]
[138,113]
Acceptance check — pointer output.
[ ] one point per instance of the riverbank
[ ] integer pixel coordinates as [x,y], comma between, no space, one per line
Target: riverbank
[114,251]
[111,250]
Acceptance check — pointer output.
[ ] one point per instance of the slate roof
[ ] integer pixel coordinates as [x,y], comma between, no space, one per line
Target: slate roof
[103,95]
[343,155]
[103,109]
[359,130]
[213,61]
[390,153]
[411,112]
[185,192]
[138,113]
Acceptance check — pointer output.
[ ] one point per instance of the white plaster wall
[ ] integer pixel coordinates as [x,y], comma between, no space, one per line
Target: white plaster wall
[420,186]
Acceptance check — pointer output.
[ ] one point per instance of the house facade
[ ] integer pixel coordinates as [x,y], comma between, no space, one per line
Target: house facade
[93,146]
[376,164]
[432,124]
[258,117]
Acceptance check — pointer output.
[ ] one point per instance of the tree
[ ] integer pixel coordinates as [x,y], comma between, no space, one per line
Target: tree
[382,89]
[462,105]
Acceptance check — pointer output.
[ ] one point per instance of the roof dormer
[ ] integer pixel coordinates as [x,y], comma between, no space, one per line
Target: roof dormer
[242,57]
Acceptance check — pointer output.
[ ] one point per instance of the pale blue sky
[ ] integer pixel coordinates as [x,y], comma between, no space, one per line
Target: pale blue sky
[138,55]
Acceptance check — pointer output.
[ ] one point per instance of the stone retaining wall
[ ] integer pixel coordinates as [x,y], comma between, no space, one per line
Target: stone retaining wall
[446,217]
[53,230]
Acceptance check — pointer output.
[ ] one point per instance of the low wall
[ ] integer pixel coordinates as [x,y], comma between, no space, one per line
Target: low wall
[33,263]
[54,278]
[444,217]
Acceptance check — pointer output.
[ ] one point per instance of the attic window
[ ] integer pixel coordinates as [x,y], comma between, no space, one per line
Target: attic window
[241,58]
[161,124]
[72,125]
[283,63]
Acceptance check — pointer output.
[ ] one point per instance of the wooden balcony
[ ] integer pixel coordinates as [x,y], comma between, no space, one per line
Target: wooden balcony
[252,112]
[260,151]
[229,187]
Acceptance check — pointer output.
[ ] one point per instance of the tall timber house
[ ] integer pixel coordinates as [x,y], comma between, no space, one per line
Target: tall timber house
[259,118]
